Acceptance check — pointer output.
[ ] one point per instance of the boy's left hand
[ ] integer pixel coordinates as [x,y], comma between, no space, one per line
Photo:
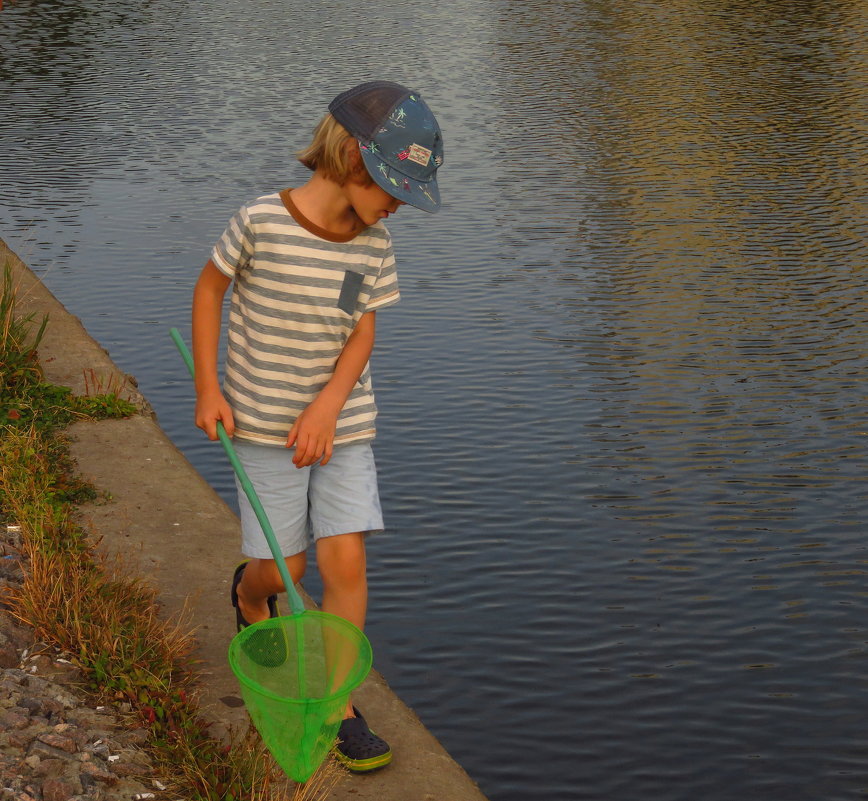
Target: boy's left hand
[313,435]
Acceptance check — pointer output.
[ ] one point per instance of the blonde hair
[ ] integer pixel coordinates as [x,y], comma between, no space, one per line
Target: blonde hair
[328,153]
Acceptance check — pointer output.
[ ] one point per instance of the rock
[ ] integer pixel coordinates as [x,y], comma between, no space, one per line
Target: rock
[88,782]
[101,750]
[57,790]
[15,718]
[136,737]
[50,768]
[45,751]
[94,771]
[61,741]
[10,569]
[9,656]
[127,768]
[32,705]
[19,739]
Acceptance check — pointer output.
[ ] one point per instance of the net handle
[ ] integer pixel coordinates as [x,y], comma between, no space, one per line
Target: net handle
[295,602]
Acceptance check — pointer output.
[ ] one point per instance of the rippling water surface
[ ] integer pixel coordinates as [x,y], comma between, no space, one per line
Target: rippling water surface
[623,435]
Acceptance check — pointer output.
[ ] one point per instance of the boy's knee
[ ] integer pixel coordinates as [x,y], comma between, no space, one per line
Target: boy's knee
[263,577]
[296,565]
[341,559]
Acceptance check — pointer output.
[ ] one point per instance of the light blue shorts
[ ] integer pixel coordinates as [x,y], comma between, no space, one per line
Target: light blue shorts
[306,504]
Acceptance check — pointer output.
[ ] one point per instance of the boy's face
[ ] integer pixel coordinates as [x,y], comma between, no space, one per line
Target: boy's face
[371,203]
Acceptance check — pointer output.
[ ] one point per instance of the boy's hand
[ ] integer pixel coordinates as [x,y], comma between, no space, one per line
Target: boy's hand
[313,435]
[209,409]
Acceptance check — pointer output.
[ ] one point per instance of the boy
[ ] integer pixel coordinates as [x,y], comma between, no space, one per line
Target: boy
[311,266]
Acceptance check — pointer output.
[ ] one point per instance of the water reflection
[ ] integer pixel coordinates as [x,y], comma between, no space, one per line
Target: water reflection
[622,453]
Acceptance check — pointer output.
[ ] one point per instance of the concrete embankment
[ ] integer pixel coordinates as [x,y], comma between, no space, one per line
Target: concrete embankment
[185,539]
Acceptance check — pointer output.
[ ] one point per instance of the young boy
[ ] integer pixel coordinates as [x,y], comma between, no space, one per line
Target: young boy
[311,266]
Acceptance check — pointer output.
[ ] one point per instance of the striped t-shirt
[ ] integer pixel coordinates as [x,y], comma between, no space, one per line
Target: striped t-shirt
[298,293]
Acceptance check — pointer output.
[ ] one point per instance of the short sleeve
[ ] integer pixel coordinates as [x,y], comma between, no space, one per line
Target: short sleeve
[385,290]
[234,249]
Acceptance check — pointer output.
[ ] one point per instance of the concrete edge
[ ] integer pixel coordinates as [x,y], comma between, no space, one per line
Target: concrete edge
[180,534]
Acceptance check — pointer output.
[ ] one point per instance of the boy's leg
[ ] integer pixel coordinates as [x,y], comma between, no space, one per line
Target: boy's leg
[260,579]
[341,561]
[342,566]
[344,498]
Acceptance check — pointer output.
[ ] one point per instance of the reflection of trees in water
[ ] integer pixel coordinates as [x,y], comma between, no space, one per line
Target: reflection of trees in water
[691,176]
[686,137]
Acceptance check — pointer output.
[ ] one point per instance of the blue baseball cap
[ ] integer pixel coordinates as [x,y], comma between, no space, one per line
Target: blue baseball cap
[399,139]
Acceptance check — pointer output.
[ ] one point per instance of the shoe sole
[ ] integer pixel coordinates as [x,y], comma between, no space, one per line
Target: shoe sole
[364,765]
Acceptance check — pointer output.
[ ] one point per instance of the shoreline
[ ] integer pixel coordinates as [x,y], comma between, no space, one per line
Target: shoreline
[164,517]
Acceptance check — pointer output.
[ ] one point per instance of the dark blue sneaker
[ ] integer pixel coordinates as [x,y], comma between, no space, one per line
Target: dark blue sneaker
[358,748]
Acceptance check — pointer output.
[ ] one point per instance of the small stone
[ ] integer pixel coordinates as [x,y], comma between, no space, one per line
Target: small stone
[40,661]
[10,568]
[87,781]
[33,705]
[56,790]
[136,736]
[100,749]
[79,735]
[50,768]
[60,741]
[53,706]
[18,739]
[46,751]
[94,771]
[17,675]
[11,719]
[129,769]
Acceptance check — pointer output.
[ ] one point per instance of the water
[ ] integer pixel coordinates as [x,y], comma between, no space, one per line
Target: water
[622,434]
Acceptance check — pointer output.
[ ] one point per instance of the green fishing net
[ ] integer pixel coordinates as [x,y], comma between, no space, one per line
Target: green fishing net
[296,673]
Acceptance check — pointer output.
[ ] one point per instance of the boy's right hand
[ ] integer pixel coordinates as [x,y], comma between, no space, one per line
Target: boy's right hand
[209,409]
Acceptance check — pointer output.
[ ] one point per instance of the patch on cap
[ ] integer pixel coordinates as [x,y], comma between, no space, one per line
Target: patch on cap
[418,154]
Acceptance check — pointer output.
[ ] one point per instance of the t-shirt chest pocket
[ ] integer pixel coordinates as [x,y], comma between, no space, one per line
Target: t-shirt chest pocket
[350,289]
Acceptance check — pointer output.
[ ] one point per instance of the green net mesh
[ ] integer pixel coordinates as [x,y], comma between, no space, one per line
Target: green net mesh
[296,673]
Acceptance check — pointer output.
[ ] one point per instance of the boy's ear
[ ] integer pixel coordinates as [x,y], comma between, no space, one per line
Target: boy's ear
[357,170]
[354,157]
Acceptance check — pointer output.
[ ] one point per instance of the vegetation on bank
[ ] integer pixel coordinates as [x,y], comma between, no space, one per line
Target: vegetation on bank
[92,607]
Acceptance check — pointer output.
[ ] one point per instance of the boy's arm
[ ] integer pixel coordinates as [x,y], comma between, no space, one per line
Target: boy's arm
[211,406]
[313,432]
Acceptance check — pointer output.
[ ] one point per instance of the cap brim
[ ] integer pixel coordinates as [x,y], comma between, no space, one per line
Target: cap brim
[422,195]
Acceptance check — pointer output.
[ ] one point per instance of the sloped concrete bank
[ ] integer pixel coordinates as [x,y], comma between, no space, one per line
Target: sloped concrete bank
[185,539]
